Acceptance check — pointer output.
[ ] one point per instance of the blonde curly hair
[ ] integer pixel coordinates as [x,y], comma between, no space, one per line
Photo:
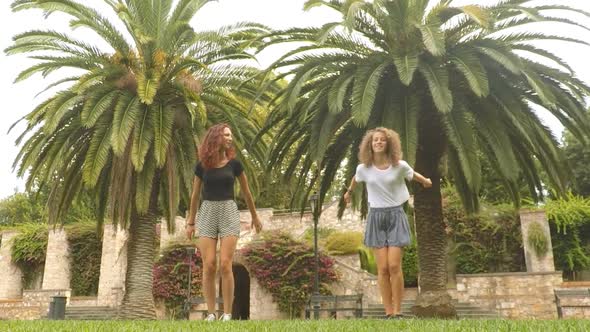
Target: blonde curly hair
[393,149]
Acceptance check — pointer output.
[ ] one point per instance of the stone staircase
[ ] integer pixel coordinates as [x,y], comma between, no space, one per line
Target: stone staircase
[90,313]
[464,311]
[373,311]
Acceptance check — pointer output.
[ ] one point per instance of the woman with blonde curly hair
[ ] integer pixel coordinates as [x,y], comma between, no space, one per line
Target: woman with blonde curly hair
[218,216]
[387,230]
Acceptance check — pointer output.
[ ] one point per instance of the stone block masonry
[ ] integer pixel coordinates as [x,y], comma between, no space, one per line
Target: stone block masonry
[10,275]
[512,295]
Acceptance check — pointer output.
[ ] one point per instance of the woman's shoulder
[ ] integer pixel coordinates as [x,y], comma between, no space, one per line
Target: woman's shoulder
[236,166]
[361,167]
[234,162]
[402,164]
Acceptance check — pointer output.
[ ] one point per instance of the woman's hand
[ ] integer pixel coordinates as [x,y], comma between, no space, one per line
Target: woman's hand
[190,231]
[427,183]
[256,223]
[347,195]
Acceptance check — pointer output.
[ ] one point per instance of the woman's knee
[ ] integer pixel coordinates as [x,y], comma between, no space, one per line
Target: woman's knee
[395,269]
[383,271]
[225,266]
[209,267]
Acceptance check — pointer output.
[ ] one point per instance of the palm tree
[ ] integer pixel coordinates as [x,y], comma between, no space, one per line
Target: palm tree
[125,127]
[455,82]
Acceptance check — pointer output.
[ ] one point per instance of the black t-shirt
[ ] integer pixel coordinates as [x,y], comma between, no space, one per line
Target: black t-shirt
[218,183]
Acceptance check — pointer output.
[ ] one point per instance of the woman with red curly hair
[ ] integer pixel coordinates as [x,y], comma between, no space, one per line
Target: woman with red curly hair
[218,216]
[387,230]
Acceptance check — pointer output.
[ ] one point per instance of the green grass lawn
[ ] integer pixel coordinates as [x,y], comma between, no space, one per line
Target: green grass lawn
[298,325]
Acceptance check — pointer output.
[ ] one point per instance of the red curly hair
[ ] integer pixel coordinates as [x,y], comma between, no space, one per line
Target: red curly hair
[212,145]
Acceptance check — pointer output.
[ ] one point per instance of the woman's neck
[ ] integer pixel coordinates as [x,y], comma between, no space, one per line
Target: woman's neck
[380,159]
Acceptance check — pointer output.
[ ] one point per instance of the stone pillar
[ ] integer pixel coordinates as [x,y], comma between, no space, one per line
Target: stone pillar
[10,275]
[179,235]
[534,262]
[113,266]
[57,262]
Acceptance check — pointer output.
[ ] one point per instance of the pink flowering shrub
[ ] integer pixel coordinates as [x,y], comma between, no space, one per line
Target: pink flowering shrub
[171,278]
[285,267]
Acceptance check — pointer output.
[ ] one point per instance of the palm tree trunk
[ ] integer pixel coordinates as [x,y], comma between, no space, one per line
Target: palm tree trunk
[138,301]
[433,299]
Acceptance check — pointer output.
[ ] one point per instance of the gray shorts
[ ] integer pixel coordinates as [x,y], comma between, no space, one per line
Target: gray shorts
[387,227]
[218,219]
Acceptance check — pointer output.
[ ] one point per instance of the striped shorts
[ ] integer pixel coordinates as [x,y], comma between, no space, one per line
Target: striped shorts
[218,219]
[387,227]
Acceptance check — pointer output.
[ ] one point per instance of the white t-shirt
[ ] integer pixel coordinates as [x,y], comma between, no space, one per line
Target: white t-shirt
[386,187]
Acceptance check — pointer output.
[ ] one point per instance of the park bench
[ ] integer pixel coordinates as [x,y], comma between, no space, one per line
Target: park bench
[333,304]
[560,294]
[201,300]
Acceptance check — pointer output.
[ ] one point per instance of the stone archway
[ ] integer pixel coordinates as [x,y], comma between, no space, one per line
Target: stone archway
[241,306]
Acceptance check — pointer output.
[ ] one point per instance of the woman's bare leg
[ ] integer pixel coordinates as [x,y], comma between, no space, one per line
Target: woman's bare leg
[228,247]
[208,247]
[383,278]
[396,277]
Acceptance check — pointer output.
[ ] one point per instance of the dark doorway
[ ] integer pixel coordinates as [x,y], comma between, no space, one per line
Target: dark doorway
[241,307]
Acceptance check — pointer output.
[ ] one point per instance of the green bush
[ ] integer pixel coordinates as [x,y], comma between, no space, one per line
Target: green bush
[21,208]
[569,223]
[537,240]
[85,244]
[410,265]
[367,260]
[323,234]
[490,241]
[29,250]
[343,243]
[31,207]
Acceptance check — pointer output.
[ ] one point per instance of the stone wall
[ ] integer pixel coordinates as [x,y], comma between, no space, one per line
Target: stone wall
[16,309]
[83,301]
[291,222]
[354,280]
[10,275]
[33,304]
[262,305]
[296,224]
[575,306]
[178,235]
[57,261]
[512,295]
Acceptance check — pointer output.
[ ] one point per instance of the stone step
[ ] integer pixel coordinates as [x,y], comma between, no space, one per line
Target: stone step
[381,312]
[89,308]
[464,310]
[407,304]
[90,313]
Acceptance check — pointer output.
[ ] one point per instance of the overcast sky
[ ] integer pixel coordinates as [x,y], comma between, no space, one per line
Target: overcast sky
[19,99]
